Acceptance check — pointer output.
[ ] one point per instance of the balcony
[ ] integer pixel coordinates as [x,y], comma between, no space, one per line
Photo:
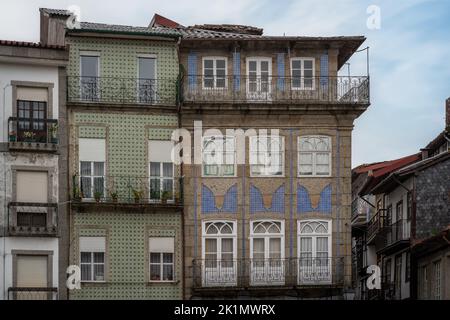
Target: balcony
[28,219]
[376,225]
[396,236]
[21,293]
[303,90]
[28,134]
[121,91]
[267,273]
[116,191]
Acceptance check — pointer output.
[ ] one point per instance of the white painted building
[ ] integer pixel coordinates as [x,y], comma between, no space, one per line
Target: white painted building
[30,93]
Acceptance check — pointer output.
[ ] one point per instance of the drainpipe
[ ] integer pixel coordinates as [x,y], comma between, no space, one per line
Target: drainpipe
[4,186]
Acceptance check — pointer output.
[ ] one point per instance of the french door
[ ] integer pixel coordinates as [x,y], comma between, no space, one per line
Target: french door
[32,125]
[147,86]
[89,80]
[259,78]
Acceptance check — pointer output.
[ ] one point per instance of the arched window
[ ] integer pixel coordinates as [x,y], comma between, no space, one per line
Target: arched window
[314,156]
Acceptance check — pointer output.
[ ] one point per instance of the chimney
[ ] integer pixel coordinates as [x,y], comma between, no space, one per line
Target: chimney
[53,26]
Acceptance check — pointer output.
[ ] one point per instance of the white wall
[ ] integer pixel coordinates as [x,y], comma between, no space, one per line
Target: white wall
[20,72]
[26,243]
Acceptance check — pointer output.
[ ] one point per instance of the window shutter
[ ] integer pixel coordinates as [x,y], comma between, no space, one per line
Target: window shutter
[160,151]
[32,186]
[324,70]
[161,244]
[237,71]
[92,149]
[92,244]
[192,70]
[281,74]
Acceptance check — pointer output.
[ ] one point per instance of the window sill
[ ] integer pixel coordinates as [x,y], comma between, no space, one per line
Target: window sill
[163,283]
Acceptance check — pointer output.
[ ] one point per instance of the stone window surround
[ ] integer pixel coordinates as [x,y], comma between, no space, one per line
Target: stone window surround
[32,84]
[47,253]
[50,199]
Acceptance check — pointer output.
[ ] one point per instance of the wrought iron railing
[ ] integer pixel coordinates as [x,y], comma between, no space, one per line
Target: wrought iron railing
[275,89]
[398,231]
[32,293]
[32,130]
[376,223]
[128,189]
[268,272]
[32,219]
[122,90]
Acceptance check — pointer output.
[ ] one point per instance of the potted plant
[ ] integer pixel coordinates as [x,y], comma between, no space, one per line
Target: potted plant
[97,196]
[29,136]
[177,197]
[12,136]
[53,129]
[137,194]
[166,195]
[114,196]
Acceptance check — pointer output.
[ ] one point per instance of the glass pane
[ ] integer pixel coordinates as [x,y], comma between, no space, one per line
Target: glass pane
[155,168]
[211,246]
[252,65]
[168,186]
[168,272]
[99,168]
[85,168]
[99,274]
[86,188]
[258,246]
[305,245]
[155,188]
[275,248]
[155,272]
[39,219]
[227,245]
[296,64]
[99,185]
[308,64]
[168,169]
[155,257]
[85,257]
[99,257]
[220,64]
[322,244]
[208,63]
[85,272]
[167,257]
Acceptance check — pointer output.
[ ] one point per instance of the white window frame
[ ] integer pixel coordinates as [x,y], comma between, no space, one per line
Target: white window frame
[253,141]
[92,263]
[92,176]
[215,59]
[270,275]
[262,94]
[90,54]
[224,152]
[302,73]
[314,237]
[155,79]
[219,237]
[161,180]
[161,264]
[314,156]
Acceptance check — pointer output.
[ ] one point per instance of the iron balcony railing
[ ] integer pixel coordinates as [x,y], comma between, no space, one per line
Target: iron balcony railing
[32,219]
[32,293]
[268,272]
[32,130]
[376,224]
[276,89]
[122,90]
[128,189]
[398,231]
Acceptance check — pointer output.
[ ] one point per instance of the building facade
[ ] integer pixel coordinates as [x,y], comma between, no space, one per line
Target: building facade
[126,198]
[33,99]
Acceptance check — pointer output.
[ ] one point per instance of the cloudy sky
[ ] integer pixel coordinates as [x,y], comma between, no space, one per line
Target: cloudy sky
[409,52]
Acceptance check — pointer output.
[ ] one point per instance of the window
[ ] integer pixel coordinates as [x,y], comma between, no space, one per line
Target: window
[214,72]
[408,267]
[388,221]
[89,81]
[219,253]
[147,79]
[302,71]
[388,271]
[399,211]
[314,251]
[92,259]
[424,282]
[161,259]
[259,78]
[409,206]
[92,179]
[314,156]
[437,280]
[161,170]
[32,124]
[92,168]
[266,156]
[398,276]
[267,252]
[32,219]
[219,156]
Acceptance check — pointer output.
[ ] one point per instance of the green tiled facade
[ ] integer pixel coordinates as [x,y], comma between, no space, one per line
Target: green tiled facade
[126,133]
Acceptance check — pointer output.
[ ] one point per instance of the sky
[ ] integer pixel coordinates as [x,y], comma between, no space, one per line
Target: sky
[409,51]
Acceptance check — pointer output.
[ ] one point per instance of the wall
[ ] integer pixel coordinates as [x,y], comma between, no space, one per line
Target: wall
[428,260]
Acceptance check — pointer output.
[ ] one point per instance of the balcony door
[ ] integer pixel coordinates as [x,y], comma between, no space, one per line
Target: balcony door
[32,124]
[267,253]
[219,267]
[89,80]
[259,78]
[315,263]
[147,86]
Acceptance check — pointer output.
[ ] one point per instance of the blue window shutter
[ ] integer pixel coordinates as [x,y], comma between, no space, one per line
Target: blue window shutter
[280,69]
[237,71]
[324,70]
[192,70]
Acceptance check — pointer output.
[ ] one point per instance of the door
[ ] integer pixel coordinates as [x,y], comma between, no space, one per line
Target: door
[267,265]
[89,81]
[259,80]
[147,86]
[31,272]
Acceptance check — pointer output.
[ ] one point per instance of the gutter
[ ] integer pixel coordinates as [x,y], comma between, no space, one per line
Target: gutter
[131,33]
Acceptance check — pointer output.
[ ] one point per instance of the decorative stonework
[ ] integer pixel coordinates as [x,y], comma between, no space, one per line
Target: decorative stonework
[306,204]
[266,203]
[212,203]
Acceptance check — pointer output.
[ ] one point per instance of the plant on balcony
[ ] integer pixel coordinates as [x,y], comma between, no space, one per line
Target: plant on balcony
[114,196]
[137,195]
[76,194]
[166,195]
[12,136]
[29,136]
[97,196]
[53,129]
[177,197]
